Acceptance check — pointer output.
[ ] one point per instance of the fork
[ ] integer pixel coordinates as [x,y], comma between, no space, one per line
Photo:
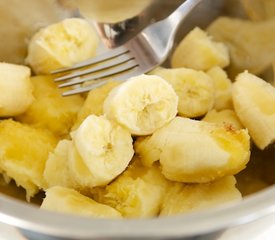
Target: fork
[141,54]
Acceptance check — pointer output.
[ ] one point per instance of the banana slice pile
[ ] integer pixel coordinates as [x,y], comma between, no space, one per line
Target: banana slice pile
[167,142]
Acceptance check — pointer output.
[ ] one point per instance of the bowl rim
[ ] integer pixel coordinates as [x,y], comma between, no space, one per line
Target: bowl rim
[29,217]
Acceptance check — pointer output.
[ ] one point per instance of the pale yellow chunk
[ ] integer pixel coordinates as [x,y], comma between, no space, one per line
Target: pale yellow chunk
[254,101]
[138,192]
[184,198]
[23,154]
[223,88]
[227,117]
[194,88]
[69,201]
[199,51]
[61,45]
[196,151]
[50,110]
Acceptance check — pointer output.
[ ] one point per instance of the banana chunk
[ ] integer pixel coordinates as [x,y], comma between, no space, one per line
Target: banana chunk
[65,200]
[183,198]
[223,88]
[138,192]
[101,151]
[199,51]
[196,151]
[16,89]
[227,117]
[142,104]
[61,45]
[195,90]
[254,101]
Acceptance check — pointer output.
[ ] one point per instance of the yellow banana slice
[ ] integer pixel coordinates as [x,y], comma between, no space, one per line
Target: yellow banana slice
[199,51]
[16,89]
[65,200]
[194,88]
[196,151]
[142,104]
[254,101]
[61,45]
[101,151]
[183,198]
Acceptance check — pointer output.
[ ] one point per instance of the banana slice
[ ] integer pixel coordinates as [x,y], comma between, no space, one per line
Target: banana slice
[227,117]
[196,151]
[183,198]
[101,151]
[65,200]
[199,51]
[254,101]
[142,104]
[138,192]
[194,88]
[223,88]
[16,89]
[61,45]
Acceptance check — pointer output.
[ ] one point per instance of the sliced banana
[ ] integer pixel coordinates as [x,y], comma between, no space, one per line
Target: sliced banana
[184,198]
[142,104]
[101,151]
[223,88]
[199,51]
[61,45]
[65,200]
[16,89]
[254,101]
[227,117]
[138,192]
[196,151]
[195,90]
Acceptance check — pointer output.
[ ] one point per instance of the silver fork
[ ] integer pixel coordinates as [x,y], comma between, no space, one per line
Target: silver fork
[139,55]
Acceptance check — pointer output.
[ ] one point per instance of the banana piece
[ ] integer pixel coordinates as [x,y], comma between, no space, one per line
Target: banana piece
[24,152]
[16,89]
[184,198]
[61,45]
[254,101]
[142,104]
[199,51]
[227,117]
[101,151]
[223,88]
[196,151]
[195,90]
[69,201]
[94,102]
[138,192]
[49,109]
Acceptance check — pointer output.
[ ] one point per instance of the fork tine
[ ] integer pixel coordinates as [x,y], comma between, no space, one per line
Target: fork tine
[100,58]
[113,71]
[111,63]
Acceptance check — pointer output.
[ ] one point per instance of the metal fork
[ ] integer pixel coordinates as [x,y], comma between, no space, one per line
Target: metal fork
[139,55]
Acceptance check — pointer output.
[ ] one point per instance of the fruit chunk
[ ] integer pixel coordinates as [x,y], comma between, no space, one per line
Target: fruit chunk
[16,89]
[50,110]
[227,117]
[61,45]
[184,198]
[254,101]
[223,88]
[101,151]
[142,104]
[195,90]
[138,192]
[23,154]
[65,200]
[199,51]
[196,151]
